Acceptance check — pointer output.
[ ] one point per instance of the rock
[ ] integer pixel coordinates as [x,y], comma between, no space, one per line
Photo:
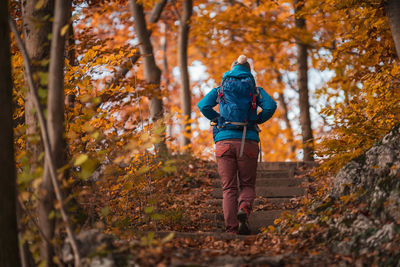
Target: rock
[385,234]
[102,262]
[372,227]
[90,242]
[393,205]
[380,162]
[268,261]
[362,224]
[343,248]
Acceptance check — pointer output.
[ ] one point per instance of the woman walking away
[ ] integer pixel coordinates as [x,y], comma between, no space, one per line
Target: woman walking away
[236,137]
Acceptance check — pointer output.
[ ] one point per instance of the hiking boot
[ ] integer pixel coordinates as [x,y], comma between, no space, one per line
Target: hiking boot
[242,216]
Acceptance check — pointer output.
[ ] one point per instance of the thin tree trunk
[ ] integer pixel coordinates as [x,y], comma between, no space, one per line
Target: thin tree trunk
[152,73]
[186,102]
[165,71]
[55,123]
[9,253]
[285,113]
[36,30]
[165,57]
[393,13]
[302,80]
[287,122]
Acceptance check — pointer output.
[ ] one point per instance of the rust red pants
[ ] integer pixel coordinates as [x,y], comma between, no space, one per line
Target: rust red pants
[232,168]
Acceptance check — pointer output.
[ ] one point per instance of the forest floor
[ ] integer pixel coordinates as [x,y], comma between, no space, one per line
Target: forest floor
[176,233]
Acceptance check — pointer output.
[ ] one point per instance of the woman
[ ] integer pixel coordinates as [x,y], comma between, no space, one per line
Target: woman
[236,135]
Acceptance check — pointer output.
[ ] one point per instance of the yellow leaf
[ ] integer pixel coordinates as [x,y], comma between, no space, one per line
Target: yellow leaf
[39,4]
[168,237]
[81,159]
[64,30]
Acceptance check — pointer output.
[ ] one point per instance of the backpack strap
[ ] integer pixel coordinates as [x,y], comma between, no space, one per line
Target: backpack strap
[220,91]
[244,124]
[243,141]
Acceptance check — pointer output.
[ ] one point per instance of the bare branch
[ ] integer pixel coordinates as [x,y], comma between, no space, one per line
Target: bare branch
[176,9]
[157,10]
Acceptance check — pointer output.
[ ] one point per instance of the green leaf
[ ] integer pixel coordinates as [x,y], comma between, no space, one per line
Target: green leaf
[143,170]
[81,159]
[157,217]
[95,135]
[44,62]
[88,168]
[52,214]
[169,169]
[148,210]
[44,78]
[105,211]
[42,93]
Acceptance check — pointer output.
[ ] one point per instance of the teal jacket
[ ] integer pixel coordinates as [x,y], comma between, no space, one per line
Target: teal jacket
[263,100]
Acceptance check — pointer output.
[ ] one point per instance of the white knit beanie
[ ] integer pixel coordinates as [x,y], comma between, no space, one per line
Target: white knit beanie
[242,60]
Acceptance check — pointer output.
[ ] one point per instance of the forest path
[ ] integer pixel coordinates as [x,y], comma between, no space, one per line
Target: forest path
[277,184]
[278,188]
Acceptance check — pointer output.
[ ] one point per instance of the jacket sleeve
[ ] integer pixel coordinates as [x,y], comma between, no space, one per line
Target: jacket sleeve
[267,104]
[207,103]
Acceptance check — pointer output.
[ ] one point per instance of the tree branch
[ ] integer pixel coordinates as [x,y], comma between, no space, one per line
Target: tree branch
[45,136]
[176,10]
[157,10]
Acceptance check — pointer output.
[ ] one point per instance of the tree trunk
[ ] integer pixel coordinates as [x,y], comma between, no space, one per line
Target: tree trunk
[9,254]
[302,80]
[393,13]
[287,122]
[186,103]
[152,73]
[285,113]
[165,57]
[55,121]
[36,30]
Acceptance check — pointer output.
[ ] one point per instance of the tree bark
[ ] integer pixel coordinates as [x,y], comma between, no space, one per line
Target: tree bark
[186,102]
[287,122]
[157,10]
[393,13]
[285,113]
[55,122]
[302,80]
[9,253]
[36,30]
[152,73]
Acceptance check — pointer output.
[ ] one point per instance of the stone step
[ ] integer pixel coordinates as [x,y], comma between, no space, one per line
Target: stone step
[282,165]
[275,174]
[257,219]
[278,201]
[270,192]
[199,235]
[289,173]
[274,182]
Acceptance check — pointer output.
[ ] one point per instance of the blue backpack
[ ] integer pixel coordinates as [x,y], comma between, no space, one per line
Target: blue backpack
[237,105]
[237,102]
